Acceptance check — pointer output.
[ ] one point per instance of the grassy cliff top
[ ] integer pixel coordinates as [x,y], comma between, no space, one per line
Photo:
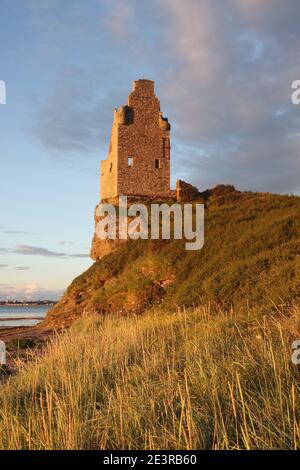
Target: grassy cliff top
[250,261]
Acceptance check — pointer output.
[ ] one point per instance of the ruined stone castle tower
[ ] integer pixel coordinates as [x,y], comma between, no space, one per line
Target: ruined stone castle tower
[138,159]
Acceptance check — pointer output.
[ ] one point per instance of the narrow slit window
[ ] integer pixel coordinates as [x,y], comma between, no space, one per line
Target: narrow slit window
[130,161]
[157,163]
[110,167]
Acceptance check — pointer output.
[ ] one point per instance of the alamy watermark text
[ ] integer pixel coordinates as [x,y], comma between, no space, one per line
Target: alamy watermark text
[186,221]
[2,92]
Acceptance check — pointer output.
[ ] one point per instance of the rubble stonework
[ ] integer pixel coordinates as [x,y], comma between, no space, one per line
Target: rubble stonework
[185,192]
[138,159]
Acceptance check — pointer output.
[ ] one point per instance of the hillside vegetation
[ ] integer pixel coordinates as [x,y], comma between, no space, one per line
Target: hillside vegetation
[250,261]
[181,380]
[174,349]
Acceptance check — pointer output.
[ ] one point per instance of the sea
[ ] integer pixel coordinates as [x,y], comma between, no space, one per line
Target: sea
[15,316]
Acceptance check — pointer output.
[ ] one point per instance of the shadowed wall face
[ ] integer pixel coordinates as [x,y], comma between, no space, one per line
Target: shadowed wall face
[138,160]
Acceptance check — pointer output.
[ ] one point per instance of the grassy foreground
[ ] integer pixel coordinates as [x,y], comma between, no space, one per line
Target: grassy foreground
[194,379]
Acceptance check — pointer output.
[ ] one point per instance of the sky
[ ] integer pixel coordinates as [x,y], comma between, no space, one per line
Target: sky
[223,72]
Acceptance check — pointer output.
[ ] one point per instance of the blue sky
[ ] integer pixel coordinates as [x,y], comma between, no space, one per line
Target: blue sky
[222,70]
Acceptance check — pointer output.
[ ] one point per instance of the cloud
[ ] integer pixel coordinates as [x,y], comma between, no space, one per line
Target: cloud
[29,291]
[36,251]
[16,232]
[233,75]
[40,251]
[65,242]
[118,19]
[223,75]
[75,126]
[17,268]
[65,124]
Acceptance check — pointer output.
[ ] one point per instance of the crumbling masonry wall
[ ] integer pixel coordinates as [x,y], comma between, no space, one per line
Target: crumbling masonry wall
[138,160]
[109,167]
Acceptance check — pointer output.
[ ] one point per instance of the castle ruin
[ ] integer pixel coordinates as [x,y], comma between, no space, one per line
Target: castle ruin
[138,159]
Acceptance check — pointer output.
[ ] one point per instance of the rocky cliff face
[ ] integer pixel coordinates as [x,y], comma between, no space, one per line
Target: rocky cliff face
[101,248]
[184,192]
[123,283]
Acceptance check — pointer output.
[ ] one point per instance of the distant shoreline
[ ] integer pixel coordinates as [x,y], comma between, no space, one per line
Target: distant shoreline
[42,303]
[19,318]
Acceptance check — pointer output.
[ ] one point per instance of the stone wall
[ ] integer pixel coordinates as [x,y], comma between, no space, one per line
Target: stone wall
[185,192]
[109,167]
[138,160]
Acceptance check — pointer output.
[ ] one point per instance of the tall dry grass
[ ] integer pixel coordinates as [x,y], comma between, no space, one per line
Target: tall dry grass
[184,380]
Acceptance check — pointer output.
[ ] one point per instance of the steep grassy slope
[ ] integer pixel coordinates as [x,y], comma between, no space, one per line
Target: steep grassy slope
[250,260]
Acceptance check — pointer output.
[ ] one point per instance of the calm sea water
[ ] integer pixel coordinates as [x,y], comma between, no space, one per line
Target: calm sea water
[21,316]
